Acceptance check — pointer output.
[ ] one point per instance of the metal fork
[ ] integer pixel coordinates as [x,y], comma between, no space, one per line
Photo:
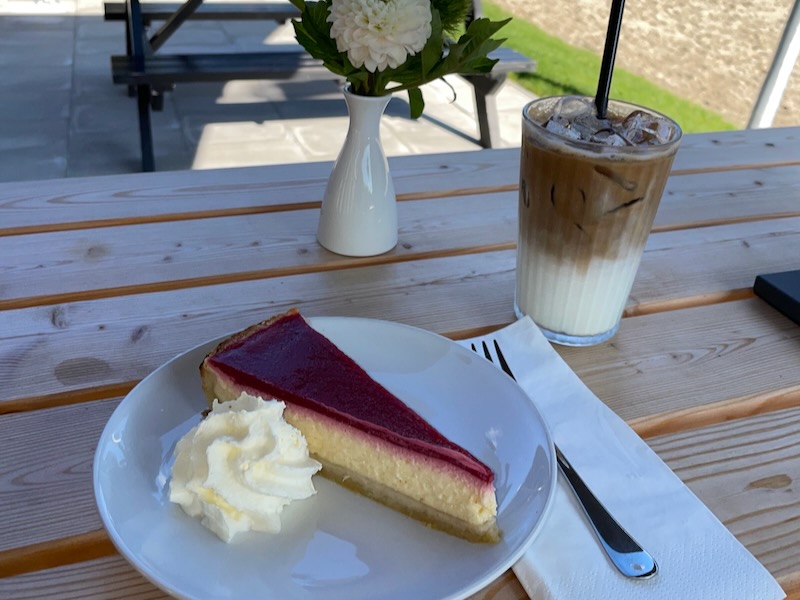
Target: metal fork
[626,555]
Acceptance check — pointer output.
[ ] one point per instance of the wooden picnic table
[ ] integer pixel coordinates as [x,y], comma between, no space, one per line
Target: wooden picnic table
[149,74]
[104,279]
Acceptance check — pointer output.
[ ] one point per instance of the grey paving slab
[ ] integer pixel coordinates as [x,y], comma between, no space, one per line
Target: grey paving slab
[418,137]
[63,116]
[197,36]
[35,136]
[203,110]
[198,130]
[38,8]
[26,48]
[246,154]
[246,91]
[88,7]
[32,23]
[95,79]
[213,101]
[98,153]
[299,108]
[35,104]
[95,27]
[322,139]
[254,29]
[115,111]
[36,79]
[93,33]
[35,161]
[89,62]
[202,132]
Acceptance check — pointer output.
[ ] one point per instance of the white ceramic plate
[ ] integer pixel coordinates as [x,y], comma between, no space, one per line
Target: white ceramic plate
[335,545]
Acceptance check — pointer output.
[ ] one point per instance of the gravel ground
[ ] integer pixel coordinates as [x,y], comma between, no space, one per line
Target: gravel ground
[714,53]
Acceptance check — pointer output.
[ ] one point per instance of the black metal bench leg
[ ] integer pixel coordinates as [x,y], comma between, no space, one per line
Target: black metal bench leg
[128,52]
[486,88]
[145,128]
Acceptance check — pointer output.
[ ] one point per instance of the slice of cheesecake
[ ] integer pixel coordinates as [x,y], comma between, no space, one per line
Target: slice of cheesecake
[365,437]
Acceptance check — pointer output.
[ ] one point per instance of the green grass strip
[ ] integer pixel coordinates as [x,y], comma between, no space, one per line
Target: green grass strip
[564,69]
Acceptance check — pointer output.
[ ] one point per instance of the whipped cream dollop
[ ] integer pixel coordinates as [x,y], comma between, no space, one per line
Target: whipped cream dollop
[241,466]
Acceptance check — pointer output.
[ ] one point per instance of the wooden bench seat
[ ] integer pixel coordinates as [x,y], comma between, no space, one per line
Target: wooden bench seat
[211,11]
[160,70]
[165,69]
[149,74]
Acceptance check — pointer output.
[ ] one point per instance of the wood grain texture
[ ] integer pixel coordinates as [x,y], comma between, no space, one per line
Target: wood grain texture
[637,378]
[55,553]
[39,473]
[716,412]
[744,470]
[505,587]
[68,347]
[717,198]
[704,370]
[77,346]
[152,197]
[791,585]
[693,266]
[179,255]
[103,579]
[747,472]
[113,578]
[167,196]
[722,151]
[712,354]
[64,266]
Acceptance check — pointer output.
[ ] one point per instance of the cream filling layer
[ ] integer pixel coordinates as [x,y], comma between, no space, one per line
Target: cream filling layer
[435,483]
[422,478]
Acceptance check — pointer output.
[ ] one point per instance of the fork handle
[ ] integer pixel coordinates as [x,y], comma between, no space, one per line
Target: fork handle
[626,555]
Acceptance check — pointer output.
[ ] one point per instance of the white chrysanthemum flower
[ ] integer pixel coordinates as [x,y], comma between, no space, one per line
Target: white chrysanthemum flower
[380,33]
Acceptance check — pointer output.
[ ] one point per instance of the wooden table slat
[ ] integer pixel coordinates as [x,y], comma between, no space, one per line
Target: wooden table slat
[55,204]
[69,347]
[104,279]
[645,372]
[638,378]
[48,268]
[109,578]
[62,266]
[59,464]
[744,471]
[750,496]
[729,197]
[173,195]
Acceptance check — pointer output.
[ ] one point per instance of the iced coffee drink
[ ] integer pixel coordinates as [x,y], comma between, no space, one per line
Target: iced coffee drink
[589,191]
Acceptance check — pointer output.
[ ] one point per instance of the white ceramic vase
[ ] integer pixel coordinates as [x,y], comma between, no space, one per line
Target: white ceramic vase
[359,209]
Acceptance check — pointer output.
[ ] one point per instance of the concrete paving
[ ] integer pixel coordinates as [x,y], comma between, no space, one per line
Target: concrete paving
[61,115]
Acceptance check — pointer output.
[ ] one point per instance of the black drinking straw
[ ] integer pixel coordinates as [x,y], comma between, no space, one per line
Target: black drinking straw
[609,53]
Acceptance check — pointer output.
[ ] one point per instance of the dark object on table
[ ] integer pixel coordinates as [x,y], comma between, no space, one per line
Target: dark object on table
[781,291]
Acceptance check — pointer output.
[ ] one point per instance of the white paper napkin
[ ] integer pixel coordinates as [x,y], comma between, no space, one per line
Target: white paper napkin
[698,558]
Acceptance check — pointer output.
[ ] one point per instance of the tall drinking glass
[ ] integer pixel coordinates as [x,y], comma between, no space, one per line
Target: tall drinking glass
[589,191]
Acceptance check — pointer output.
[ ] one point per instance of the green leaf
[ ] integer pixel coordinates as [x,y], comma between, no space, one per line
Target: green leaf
[313,32]
[432,51]
[453,13]
[484,28]
[467,55]
[416,102]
